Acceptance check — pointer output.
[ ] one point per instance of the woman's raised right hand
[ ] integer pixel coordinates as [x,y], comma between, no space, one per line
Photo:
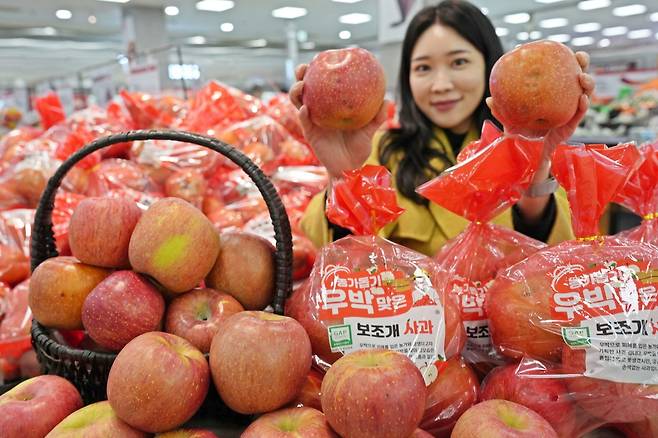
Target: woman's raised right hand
[337,150]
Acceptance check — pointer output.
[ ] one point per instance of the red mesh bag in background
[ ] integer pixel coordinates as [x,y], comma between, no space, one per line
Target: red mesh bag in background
[50,109]
[588,305]
[640,195]
[478,188]
[216,106]
[366,292]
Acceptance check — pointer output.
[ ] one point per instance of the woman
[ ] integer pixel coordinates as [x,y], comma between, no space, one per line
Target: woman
[447,56]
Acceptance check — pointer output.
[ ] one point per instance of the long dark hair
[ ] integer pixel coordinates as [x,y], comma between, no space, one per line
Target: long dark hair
[415,133]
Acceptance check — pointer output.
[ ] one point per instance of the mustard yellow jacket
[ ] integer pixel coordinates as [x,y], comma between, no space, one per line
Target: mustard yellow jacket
[425,228]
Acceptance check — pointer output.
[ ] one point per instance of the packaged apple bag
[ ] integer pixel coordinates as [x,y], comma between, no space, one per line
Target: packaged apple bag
[492,177]
[587,304]
[640,195]
[367,292]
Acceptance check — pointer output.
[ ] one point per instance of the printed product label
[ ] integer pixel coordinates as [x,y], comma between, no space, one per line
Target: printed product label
[471,296]
[613,315]
[383,308]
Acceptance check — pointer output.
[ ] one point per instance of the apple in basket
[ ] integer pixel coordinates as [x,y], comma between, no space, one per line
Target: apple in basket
[32,408]
[244,269]
[187,433]
[259,361]
[196,315]
[58,289]
[536,86]
[374,393]
[175,243]
[290,423]
[501,419]
[120,308]
[97,420]
[344,88]
[100,230]
[157,382]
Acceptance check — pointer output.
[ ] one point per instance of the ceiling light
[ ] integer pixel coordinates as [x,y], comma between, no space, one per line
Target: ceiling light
[92,19]
[589,5]
[502,31]
[535,35]
[63,14]
[560,37]
[302,36]
[625,11]
[604,42]
[551,23]
[199,39]
[289,12]
[522,17]
[347,1]
[171,10]
[114,1]
[522,36]
[587,27]
[654,16]
[547,1]
[226,27]
[308,45]
[614,31]
[344,34]
[355,18]
[583,41]
[260,42]
[485,11]
[215,5]
[639,33]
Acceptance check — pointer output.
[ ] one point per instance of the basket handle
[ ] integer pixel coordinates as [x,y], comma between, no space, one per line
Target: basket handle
[43,240]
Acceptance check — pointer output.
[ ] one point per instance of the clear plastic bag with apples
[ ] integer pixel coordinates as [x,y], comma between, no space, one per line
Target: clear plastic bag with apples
[281,109]
[15,323]
[267,143]
[148,112]
[367,292]
[640,195]
[588,306]
[489,178]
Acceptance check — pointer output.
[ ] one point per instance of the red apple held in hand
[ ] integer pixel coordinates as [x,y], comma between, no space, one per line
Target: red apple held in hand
[344,88]
[32,408]
[187,433]
[157,382]
[97,420]
[502,419]
[549,397]
[535,87]
[122,307]
[196,315]
[374,393]
[290,423]
[100,230]
[449,396]
[259,361]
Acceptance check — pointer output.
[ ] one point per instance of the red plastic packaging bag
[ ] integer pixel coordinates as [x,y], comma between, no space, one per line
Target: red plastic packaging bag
[587,305]
[367,292]
[216,106]
[640,195]
[281,109]
[478,188]
[149,112]
[50,109]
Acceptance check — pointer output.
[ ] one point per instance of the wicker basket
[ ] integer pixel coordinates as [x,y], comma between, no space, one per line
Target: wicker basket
[88,370]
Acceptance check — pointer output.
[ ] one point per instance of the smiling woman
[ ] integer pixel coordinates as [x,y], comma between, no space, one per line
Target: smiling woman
[448,53]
